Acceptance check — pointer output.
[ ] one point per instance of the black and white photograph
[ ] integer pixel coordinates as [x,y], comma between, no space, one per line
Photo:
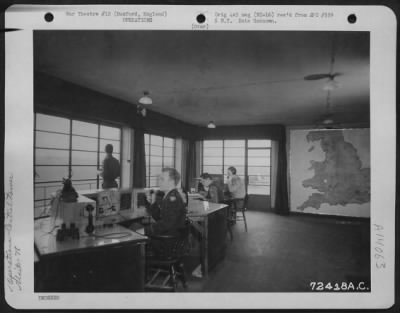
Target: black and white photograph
[181,161]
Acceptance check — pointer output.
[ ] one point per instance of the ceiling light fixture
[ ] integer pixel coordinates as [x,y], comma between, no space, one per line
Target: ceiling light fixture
[145,100]
[211,124]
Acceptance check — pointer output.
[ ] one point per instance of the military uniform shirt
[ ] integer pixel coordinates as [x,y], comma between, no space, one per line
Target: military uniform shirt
[172,214]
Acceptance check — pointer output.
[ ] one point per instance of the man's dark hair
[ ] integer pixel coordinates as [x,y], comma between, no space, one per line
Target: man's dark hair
[173,174]
[232,169]
[109,148]
[206,176]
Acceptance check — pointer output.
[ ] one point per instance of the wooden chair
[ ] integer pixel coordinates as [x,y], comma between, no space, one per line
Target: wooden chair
[238,210]
[164,265]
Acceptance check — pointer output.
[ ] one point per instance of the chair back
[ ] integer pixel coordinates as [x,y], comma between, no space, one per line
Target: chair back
[170,247]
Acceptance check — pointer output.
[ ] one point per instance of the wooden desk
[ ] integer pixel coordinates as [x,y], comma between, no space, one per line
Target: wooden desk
[210,219]
[91,263]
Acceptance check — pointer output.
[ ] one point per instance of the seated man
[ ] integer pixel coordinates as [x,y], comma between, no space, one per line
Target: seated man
[236,186]
[168,210]
[212,192]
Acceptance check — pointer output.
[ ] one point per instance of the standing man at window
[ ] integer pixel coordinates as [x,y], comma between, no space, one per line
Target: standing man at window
[111,169]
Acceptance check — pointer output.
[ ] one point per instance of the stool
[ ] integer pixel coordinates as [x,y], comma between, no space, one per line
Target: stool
[239,205]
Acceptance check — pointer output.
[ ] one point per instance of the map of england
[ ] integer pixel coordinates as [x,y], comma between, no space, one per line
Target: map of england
[335,174]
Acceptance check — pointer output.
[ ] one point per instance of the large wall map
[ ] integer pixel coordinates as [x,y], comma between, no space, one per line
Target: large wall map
[330,171]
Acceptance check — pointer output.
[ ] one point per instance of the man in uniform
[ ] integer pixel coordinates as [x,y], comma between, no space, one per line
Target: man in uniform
[111,169]
[171,216]
[212,192]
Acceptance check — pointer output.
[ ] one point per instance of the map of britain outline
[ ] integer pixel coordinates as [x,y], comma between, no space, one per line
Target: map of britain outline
[340,178]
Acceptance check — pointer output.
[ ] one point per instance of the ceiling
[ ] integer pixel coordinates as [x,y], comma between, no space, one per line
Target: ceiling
[233,78]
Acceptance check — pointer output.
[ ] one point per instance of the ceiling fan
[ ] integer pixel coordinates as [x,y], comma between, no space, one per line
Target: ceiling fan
[327,120]
[331,83]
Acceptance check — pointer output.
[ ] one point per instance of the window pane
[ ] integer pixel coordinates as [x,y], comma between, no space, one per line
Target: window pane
[51,140]
[156,140]
[84,172]
[259,161]
[212,143]
[84,143]
[168,152]
[51,173]
[259,180]
[115,144]
[258,170]
[84,158]
[259,143]
[212,161]
[146,139]
[234,152]
[258,190]
[160,153]
[83,128]
[155,150]
[212,152]
[169,162]
[153,182]
[259,153]
[44,191]
[155,170]
[234,143]
[169,142]
[155,161]
[86,185]
[41,205]
[110,132]
[39,192]
[232,161]
[51,157]
[52,123]
[212,169]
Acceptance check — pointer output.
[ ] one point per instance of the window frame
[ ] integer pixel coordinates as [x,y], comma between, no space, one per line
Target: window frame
[89,181]
[149,155]
[246,160]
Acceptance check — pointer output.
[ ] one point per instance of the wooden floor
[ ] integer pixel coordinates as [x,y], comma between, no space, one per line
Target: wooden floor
[286,253]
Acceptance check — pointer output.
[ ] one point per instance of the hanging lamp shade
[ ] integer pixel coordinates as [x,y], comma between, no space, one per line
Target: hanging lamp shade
[211,124]
[145,100]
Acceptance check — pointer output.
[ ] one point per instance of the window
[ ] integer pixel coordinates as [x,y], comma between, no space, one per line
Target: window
[160,153]
[251,158]
[259,167]
[69,148]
